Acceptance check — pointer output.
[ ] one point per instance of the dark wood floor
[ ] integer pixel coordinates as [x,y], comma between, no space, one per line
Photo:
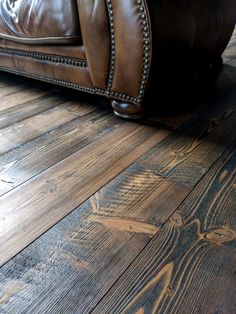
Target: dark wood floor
[102,215]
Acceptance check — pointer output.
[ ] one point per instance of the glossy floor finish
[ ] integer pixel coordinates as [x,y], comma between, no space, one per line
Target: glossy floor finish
[102,215]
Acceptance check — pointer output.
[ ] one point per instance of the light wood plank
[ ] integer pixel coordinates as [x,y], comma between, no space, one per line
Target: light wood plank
[31,108]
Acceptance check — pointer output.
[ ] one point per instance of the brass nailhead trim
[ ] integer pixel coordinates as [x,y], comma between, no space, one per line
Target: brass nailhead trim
[146,52]
[97,91]
[43,57]
[80,63]
[113,45]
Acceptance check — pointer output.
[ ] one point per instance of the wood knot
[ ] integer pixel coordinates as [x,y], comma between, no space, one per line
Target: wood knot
[169,290]
[222,235]
[177,219]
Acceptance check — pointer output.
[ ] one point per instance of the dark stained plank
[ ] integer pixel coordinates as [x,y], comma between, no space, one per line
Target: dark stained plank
[187,154]
[22,97]
[34,157]
[26,110]
[79,108]
[139,191]
[41,202]
[91,247]
[30,128]
[190,264]
[132,179]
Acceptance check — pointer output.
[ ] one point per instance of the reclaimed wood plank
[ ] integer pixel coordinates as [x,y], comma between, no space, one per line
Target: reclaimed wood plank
[8,89]
[154,198]
[26,110]
[30,128]
[28,211]
[91,246]
[187,154]
[190,264]
[79,108]
[34,157]
[18,98]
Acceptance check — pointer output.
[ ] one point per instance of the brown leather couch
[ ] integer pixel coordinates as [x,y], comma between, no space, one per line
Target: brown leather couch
[112,47]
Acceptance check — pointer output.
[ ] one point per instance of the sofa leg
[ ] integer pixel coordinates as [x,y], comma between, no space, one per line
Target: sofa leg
[127,110]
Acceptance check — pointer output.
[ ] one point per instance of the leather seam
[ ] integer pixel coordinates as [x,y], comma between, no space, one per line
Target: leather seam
[43,57]
[40,40]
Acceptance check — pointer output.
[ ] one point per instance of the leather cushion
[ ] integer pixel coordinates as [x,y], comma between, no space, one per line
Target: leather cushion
[39,21]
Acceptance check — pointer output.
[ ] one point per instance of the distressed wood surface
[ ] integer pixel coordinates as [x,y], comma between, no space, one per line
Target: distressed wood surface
[91,246]
[104,215]
[32,208]
[190,264]
[34,157]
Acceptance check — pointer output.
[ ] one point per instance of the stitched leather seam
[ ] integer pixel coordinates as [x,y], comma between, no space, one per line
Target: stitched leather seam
[41,40]
[43,57]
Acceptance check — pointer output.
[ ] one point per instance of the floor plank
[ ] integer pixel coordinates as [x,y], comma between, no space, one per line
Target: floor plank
[18,98]
[38,155]
[186,155]
[30,128]
[111,216]
[28,109]
[90,247]
[41,202]
[190,264]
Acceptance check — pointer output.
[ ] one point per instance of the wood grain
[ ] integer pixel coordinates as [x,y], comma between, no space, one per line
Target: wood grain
[30,128]
[190,264]
[18,98]
[114,216]
[91,246]
[38,155]
[187,154]
[41,202]
[26,110]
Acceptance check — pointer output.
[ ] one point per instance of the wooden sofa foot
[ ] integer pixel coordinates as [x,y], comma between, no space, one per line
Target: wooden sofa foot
[127,110]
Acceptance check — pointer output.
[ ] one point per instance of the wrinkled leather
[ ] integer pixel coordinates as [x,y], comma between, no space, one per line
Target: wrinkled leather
[70,51]
[34,21]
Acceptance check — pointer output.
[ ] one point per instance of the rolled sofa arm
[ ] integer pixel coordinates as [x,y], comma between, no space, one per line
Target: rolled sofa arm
[131,48]
[130,43]
[117,39]
[196,29]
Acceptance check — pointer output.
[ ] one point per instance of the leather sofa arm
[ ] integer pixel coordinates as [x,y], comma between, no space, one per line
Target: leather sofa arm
[197,28]
[127,39]
[94,24]
[117,39]
[131,48]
